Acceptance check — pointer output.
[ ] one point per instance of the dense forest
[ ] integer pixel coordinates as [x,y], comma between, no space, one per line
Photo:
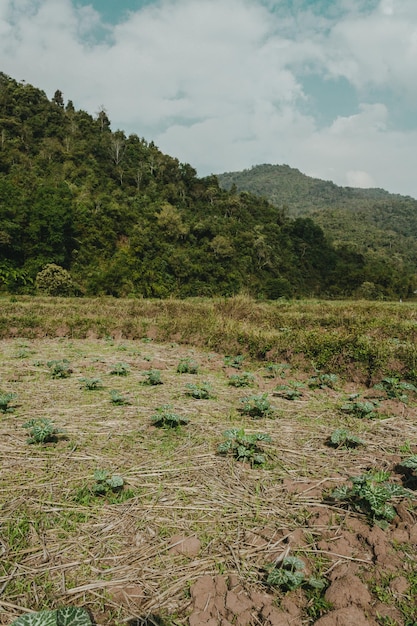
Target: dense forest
[86,210]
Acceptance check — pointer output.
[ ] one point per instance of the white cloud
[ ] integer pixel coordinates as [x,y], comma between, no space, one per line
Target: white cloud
[357,178]
[218,83]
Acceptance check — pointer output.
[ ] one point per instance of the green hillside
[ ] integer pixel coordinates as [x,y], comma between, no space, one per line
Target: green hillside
[121,218]
[370,221]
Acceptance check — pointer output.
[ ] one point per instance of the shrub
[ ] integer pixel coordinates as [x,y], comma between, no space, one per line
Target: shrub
[60,369]
[246,379]
[187,366]
[234,361]
[164,418]
[42,430]
[321,381]
[289,392]
[54,280]
[244,447]
[273,370]
[257,406]
[289,574]
[371,494]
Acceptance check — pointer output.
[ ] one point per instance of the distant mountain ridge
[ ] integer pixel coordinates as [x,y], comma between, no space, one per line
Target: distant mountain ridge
[364,219]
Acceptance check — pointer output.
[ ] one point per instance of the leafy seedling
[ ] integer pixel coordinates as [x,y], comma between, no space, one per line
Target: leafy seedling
[394,388]
[5,399]
[321,381]
[67,616]
[104,483]
[275,370]
[234,361]
[289,392]
[165,418]
[289,574]
[118,398]
[371,493]
[359,409]
[60,369]
[244,447]
[120,369]
[92,384]
[257,406]
[187,366]
[153,377]
[246,379]
[342,438]
[201,391]
[42,430]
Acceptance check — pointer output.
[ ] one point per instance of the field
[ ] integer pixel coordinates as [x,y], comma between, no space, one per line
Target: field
[114,495]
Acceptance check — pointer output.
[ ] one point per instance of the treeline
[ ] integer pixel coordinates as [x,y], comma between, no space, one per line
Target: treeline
[125,219]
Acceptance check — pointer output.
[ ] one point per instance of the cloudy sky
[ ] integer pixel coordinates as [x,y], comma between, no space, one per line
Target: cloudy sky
[326,86]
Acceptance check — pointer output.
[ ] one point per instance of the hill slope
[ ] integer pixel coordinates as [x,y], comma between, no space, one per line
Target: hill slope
[125,219]
[363,219]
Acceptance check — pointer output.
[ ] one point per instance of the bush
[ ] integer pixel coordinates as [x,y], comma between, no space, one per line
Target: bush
[54,280]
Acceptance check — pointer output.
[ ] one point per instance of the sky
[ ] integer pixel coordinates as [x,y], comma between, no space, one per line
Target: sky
[325,86]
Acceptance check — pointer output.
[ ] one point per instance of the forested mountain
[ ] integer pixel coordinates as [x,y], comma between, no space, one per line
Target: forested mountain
[380,225]
[122,218]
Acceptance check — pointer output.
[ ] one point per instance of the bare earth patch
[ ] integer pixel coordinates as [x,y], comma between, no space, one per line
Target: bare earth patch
[189,537]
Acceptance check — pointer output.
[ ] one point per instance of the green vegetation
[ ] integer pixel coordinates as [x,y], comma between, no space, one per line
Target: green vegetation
[321,381]
[92,384]
[256,406]
[5,399]
[289,574]
[244,447]
[246,379]
[342,438]
[118,398]
[292,391]
[200,391]
[371,493]
[67,616]
[187,366]
[60,369]
[153,377]
[42,430]
[165,418]
[359,409]
[120,369]
[394,388]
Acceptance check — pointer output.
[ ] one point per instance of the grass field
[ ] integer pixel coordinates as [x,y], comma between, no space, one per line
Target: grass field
[102,371]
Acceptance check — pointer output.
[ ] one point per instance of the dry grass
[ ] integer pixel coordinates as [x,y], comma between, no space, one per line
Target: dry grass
[61,547]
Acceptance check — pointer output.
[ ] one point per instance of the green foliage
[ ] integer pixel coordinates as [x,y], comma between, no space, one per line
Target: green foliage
[42,430]
[60,369]
[244,447]
[54,280]
[409,463]
[290,574]
[246,379]
[68,616]
[200,391]
[120,369]
[234,361]
[257,406]
[395,388]
[321,381]
[291,391]
[187,366]
[5,399]
[371,493]
[165,418]
[118,398]
[274,370]
[92,384]
[359,409]
[342,438]
[104,483]
[153,377]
